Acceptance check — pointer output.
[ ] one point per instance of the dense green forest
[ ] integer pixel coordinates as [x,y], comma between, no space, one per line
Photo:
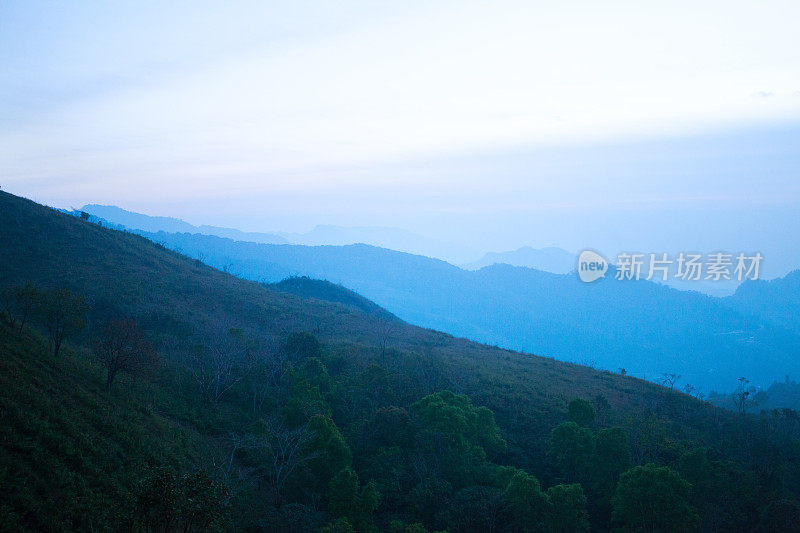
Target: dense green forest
[143,390]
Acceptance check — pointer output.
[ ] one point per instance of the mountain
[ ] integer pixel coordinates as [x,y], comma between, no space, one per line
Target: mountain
[117,216]
[551,259]
[390,427]
[559,261]
[646,328]
[781,395]
[392,238]
[128,219]
[776,301]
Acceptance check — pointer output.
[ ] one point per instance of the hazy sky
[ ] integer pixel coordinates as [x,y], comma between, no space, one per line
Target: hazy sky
[494,123]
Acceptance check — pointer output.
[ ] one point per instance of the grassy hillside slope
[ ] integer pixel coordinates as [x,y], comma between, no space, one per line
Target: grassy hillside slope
[71,452]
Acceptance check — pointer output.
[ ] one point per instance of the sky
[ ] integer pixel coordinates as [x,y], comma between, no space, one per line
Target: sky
[641,125]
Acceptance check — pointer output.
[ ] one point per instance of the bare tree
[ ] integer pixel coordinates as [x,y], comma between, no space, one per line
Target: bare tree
[668,380]
[286,450]
[743,396]
[221,365]
[121,347]
[258,382]
[385,329]
[63,313]
[17,304]
[266,376]
[8,313]
[219,460]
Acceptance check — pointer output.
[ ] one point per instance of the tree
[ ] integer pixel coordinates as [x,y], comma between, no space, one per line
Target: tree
[668,380]
[385,329]
[221,365]
[63,313]
[301,345]
[121,347]
[8,302]
[477,508]
[612,457]
[331,452]
[603,408]
[571,450]
[581,412]
[373,388]
[426,498]
[722,494]
[347,500]
[343,494]
[266,377]
[651,498]
[567,509]
[390,426]
[340,525]
[780,516]
[397,526]
[454,415]
[259,381]
[527,502]
[304,402]
[285,449]
[314,372]
[17,304]
[189,503]
[743,396]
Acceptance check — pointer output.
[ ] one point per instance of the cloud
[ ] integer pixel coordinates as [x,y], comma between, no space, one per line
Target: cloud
[215,104]
[762,94]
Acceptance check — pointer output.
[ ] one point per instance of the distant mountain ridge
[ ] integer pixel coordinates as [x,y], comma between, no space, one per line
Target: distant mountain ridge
[560,261]
[120,217]
[777,300]
[392,238]
[551,259]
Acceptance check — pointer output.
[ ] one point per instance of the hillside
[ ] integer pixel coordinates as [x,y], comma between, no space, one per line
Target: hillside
[325,290]
[72,455]
[366,398]
[646,328]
